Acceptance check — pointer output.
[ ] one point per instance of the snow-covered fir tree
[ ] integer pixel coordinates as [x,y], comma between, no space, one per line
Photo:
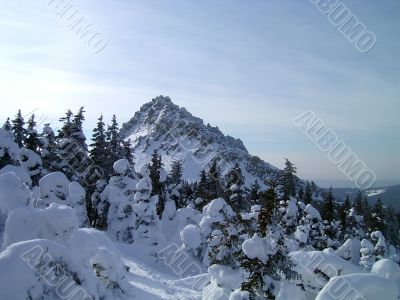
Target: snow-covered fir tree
[265,255]
[117,200]
[9,150]
[113,139]
[18,129]
[234,188]
[32,141]
[7,125]
[287,180]
[147,221]
[201,191]
[99,152]
[158,177]
[213,183]
[49,148]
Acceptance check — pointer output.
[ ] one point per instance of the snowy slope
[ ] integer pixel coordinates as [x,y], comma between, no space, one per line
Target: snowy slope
[151,284]
[178,135]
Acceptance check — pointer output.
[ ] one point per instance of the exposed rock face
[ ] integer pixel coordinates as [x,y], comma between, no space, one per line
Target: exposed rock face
[177,135]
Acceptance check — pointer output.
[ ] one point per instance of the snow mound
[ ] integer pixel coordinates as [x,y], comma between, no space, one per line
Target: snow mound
[214,212]
[20,171]
[121,166]
[387,268]
[226,276]
[255,248]
[41,269]
[312,212]
[143,185]
[289,291]
[239,295]
[359,286]
[29,158]
[191,236]
[317,267]
[84,243]
[216,207]
[56,188]
[108,266]
[350,250]
[55,223]
[7,145]
[13,193]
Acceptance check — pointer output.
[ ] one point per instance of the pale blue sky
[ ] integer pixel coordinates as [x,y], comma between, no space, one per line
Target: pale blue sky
[248,67]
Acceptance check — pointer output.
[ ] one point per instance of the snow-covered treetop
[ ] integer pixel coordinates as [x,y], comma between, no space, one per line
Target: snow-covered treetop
[121,166]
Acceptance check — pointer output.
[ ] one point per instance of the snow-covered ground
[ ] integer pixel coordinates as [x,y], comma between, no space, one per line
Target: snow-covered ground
[371,193]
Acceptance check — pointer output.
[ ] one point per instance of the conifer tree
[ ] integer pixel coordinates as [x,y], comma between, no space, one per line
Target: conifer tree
[157,186]
[187,192]
[127,151]
[308,193]
[176,172]
[368,257]
[367,212]
[49,149]
[98,149]
[313,187]
[117,201]
[175,184]
[234,176]
[328,213]
[114,142]
[18,129]
[225,242]
[7,125]
[146,210]
[358,205]
[300,193]
[355,225]
[72,148]
[201,191]
[9,150]
[265,273]
[328,207]
[234,193]
[67,127]
[155,168]
[265,217]
[255,192]
[32,138]
[310,231]
[343,216]
[77,130]
[100,205]
[378,217]
[213,187]
[287,180]
[393,227]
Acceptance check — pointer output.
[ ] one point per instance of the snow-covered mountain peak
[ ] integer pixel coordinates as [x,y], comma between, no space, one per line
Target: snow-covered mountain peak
[177,135]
